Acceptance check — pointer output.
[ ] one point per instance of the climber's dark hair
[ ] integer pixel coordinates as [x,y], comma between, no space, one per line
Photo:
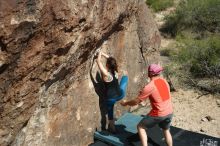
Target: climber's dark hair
[112,65]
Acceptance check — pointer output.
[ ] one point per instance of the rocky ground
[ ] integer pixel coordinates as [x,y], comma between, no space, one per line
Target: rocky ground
[196,114]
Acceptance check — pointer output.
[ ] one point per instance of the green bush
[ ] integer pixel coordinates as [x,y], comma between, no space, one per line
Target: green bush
[196,15]
[201,57]
[159,5]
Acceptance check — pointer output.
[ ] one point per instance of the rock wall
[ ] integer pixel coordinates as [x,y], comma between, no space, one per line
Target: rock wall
[50,90]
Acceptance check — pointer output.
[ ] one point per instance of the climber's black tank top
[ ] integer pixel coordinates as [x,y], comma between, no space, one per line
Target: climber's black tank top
[112,88]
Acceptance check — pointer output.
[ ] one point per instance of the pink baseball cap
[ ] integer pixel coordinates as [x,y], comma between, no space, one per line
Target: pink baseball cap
[155,69]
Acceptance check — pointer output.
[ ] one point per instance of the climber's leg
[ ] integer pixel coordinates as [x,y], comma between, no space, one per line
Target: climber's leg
[103,110]
[111,126]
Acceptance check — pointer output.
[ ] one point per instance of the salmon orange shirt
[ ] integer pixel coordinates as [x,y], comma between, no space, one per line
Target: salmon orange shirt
[158,92]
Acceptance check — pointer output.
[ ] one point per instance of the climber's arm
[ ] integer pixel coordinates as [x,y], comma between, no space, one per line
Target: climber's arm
[144,94]
[130,102]
[105,55]
[100,65]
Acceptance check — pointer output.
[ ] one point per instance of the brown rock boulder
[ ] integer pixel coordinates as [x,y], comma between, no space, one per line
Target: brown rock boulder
[50,91]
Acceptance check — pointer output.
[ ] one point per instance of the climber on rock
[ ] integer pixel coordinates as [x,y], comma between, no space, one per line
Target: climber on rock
[158,92]
[109,74]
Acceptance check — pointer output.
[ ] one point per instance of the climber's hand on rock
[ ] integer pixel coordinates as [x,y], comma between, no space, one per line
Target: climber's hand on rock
[95,56]
[99,52]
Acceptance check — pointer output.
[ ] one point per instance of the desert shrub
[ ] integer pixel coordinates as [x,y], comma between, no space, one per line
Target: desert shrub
[200,57]
[195,15]
[159,5]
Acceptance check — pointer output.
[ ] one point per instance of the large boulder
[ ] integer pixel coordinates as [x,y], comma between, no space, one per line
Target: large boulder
[50,88]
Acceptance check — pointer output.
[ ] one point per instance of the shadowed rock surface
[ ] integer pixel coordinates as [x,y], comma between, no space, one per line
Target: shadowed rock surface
[47,97]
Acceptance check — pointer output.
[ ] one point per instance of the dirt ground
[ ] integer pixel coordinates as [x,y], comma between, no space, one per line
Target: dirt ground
[196,114]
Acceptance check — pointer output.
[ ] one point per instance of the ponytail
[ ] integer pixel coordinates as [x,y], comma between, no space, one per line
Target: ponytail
[112,65]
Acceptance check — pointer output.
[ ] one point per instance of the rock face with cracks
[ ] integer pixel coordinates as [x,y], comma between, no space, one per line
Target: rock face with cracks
[50,88]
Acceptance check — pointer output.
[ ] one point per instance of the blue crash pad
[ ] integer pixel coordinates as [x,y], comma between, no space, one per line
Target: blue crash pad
[125,125]
[127,134]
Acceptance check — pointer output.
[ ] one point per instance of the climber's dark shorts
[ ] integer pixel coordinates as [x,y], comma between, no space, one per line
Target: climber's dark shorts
[150,121]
